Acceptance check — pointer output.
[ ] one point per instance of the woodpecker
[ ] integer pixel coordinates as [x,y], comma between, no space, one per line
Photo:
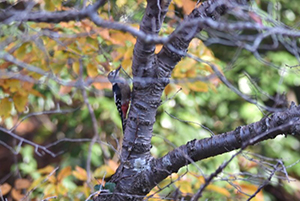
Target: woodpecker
[122,94]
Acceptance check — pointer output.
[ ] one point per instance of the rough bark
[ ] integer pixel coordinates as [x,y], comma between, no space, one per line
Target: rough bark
[139,172]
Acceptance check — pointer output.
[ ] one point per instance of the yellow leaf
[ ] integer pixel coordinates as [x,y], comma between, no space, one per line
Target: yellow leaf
[185,186]
[52,179]
[121,3]
[85,189]
[61,189]
[221,190]
[49,190]
[13,85]
[21,51]
[46,170]
[113,165]
[119,38]
[198,86]
[64,173]
[16,194]
[36,93]
[129,52]
[171,10]
[126,63]
[58,66]
[75,67]
[49,5]
[186,64]
[36,183]
[5,188]
[20,102]
[80,173]
[92,70]
[179,3]
[102,171]
[22,184]
[6,107]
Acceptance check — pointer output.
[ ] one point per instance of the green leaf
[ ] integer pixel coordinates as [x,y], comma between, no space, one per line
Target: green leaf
[98,187]
[110,186]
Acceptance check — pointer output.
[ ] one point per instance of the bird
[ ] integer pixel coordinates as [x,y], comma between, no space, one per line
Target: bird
[122,94]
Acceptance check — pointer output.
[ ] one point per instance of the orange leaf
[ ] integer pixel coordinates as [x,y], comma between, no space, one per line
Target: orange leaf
[104,33]
[80,173]
[16,194]
[169,88]
[46,170]
[64,173]
[185,88]
[113,165]
[22,184]
[92,70]
[250,189]
[104,84]
[5,188]
[158,48]
[27,85]
[6,107]
[64,90]
[5,65]
[188,6]
[191,73]
[198,86]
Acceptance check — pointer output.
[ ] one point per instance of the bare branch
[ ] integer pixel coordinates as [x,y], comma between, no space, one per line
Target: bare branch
[11,15]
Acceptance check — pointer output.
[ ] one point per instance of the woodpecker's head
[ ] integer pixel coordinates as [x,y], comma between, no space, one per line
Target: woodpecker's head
[114,75]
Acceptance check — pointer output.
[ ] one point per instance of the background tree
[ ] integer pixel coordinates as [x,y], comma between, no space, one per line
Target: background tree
[55,58]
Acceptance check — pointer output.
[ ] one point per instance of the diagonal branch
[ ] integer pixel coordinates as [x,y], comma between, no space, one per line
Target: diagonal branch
[286,122]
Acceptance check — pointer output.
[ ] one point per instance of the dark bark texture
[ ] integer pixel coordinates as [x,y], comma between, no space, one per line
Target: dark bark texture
[139,172]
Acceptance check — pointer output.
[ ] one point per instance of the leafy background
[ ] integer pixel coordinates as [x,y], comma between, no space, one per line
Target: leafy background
[57,48]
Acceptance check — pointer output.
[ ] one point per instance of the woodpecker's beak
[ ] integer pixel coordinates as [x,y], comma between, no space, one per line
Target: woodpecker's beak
[117,71]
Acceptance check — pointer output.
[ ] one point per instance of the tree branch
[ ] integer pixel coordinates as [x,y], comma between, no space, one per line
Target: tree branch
[12,15]
[286,122]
